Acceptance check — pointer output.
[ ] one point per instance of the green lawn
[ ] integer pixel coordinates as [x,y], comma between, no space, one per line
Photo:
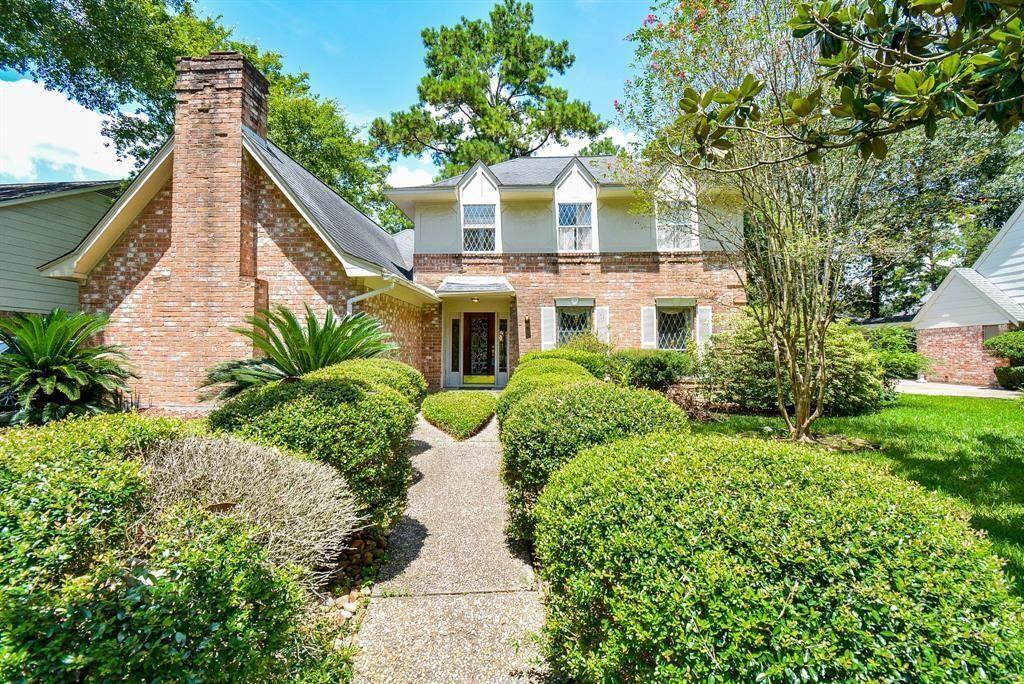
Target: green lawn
[460,413]
[971,449]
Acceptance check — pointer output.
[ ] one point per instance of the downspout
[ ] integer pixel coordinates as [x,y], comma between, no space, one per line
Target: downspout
[372,293]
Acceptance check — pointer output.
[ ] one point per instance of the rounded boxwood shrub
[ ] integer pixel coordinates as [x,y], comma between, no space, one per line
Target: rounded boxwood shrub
[199,602]
[1010,377]
[395,375]
[678,558]
[654,369]
[1009,345]
[545,430]
[362,429]
[538,374]
[738,368]
[595,363]
[69,491]
[460,413]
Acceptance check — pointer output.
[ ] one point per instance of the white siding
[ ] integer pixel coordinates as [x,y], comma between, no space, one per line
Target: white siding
[958,303]
[1003,261]
[33,233]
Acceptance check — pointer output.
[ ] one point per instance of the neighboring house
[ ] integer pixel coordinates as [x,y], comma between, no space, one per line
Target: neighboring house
[972,305]
[502,260]
[38,222]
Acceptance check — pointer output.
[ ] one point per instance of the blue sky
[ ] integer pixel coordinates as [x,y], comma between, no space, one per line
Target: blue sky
[367,55]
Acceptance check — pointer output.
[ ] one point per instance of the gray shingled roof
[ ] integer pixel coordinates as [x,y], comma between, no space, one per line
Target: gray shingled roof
[533,171]
[405,240]
[1008,303]
[16,191]
[474,285]
[352,231]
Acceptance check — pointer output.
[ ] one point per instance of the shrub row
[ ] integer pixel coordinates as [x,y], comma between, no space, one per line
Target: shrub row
[679,558]
[86,593]
[655,369]
[595,363]
[557,413]
[537,374]
[897,352]
[347,416]
[1009,345]
[460,413]
[738,368]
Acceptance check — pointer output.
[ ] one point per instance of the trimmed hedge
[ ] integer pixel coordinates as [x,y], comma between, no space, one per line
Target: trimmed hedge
[1010,377]
[86,593]
[460,413]
[675,558]
[738,368]
[547,429]
[202,604]
[380,372]
[536,375]
[595,363]
[654,369]
[1009,345]
[69,492]
[360,428]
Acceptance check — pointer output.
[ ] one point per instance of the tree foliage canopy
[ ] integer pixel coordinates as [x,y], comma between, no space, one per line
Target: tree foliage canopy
[486,95]
[884,66]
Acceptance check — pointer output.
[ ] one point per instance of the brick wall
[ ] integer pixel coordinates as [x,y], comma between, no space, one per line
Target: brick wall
[957,355]
[623,282]
[215,245]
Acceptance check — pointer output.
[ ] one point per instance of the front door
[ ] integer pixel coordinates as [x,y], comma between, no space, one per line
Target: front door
[478,349]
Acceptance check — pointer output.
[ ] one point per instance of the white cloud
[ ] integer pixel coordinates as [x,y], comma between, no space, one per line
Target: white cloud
[41,129]
[574,145]
[403,177]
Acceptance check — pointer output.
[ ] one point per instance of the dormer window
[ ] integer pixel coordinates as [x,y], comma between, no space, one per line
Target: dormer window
[677,228]
[478,227]
[575,227]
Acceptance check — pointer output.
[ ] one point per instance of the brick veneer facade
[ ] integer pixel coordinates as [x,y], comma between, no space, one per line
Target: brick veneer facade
[215,244]
[957,355]
[624,282]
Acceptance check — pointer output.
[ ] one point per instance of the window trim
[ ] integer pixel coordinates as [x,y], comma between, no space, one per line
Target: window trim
[592,225]
[671,309]
[586,304]
[493,227]
[693,224]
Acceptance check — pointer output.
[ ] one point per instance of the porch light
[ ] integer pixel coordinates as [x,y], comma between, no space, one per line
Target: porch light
[475,300]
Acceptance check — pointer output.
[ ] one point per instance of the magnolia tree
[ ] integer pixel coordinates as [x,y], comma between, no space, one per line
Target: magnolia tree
[881,67]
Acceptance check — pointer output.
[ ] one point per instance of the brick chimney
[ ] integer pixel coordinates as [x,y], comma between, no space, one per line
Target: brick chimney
[209,270]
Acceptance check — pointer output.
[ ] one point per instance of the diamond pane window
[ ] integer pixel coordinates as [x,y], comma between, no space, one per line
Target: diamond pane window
[573,321]
[677,229]
[478,227]
[675,325]
[574,227]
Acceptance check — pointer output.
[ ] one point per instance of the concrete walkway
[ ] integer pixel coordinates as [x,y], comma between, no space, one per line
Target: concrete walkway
[453,603]
[950,390]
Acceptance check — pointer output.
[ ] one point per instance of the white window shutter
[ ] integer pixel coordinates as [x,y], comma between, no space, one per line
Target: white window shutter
[648,327]
[601,323]
[547,327]
[703,332]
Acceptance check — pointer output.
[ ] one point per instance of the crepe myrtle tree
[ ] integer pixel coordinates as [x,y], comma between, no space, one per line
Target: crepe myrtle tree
[881,67]
[801,233]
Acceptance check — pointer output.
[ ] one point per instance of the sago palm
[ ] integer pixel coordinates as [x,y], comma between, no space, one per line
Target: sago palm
[291,349]
[52,370]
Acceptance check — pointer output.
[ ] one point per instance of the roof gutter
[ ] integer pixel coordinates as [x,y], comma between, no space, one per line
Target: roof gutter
[367,295]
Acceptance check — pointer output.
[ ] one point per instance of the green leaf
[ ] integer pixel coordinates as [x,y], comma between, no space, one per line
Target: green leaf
[905,84]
